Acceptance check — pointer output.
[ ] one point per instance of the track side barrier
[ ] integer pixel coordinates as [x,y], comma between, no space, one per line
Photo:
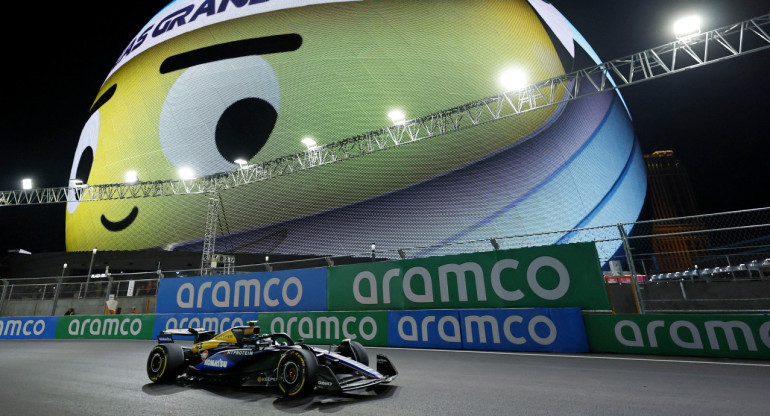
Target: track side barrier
[28,327]
[540,329]
[105,327]
[559,276]
[286,290]
[217,322]
[706,335]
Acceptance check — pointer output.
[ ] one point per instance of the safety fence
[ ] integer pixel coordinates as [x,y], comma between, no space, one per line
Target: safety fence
[545,299]
[712,262]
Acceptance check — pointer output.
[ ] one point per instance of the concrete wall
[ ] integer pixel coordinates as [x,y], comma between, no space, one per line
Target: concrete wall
[24,307]
[738,296]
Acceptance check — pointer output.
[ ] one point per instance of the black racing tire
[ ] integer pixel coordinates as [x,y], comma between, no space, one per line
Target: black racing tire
[297,373]
[354,350]
[165,363]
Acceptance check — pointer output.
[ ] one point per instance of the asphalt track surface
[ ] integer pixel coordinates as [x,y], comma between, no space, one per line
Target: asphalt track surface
[82,377]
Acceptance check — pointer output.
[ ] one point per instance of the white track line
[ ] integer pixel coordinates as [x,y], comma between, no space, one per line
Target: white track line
[586,356]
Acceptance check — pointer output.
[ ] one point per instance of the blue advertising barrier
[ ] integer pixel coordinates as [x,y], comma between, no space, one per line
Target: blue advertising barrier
[28,327]
[218,322]
[287,290]
[536,329]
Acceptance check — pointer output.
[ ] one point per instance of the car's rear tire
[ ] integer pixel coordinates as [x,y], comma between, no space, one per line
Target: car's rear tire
[297,373]
[165,363]
[354,350]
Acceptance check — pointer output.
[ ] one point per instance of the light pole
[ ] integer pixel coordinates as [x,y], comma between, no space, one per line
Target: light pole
[90,267]
[373,247]
[58,289]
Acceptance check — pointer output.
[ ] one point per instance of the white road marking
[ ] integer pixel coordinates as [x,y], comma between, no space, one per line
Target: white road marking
[583,356]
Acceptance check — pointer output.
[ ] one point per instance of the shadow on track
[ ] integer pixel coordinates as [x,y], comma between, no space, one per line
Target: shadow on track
[323,402]
[331,402]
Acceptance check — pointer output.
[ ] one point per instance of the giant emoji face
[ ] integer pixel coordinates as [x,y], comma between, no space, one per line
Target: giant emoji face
[208,82]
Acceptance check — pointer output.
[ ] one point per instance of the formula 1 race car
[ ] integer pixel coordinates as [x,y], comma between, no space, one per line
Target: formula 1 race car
[241,355]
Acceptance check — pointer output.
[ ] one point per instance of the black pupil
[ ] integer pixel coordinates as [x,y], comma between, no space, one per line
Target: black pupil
[244,128]
[84,165]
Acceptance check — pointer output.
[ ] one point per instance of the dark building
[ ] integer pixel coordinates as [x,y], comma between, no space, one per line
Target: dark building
[677,241]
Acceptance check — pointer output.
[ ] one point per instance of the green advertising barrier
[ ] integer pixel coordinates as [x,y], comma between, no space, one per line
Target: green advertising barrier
[708,335]
[105,327]
[368,328]
[565,275]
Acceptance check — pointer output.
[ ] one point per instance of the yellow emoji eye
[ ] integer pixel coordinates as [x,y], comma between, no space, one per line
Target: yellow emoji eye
[219,112]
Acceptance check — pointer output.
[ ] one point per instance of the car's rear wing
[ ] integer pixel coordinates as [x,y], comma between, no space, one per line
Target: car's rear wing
[201,334]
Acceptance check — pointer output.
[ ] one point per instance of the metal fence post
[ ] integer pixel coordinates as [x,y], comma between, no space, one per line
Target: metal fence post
[109,288]
[2,297]
[632,269]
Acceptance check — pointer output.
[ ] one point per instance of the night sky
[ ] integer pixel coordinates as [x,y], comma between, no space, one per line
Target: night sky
[715,118]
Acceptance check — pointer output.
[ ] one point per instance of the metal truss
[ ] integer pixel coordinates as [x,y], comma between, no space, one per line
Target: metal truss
[684,54]
[209,238]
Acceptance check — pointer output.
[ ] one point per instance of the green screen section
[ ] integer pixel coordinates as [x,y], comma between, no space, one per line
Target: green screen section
[555,276]
[105,327]
[368,328]
[707,335]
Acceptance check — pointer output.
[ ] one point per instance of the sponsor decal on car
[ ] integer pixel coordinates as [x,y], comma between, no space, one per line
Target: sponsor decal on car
[204,354]
[216,363]
[239,352]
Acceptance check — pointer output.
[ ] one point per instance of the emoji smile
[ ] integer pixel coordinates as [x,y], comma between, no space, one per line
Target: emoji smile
[122,224]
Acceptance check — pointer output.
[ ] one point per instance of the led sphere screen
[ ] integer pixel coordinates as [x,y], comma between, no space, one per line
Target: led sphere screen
[209,83]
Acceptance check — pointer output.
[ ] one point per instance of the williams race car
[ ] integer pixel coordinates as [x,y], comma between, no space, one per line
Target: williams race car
[241,355]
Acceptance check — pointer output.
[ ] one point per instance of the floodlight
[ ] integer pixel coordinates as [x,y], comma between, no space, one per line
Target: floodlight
[513,79]
[397,116]
[26,183]
[241,162]
[186,174]
[687,27]
[309,142]
[131,176]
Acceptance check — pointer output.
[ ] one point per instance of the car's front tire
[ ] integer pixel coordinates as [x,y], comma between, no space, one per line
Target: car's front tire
[165,363]
[297,373]
[354,350]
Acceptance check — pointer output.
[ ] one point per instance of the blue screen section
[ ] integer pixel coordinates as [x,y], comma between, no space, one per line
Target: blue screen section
[29,327]
[537,329]
[424,329]
[288,290]
[217,322]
